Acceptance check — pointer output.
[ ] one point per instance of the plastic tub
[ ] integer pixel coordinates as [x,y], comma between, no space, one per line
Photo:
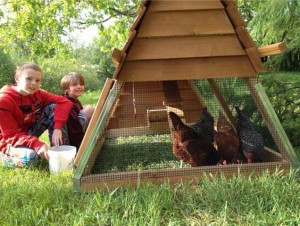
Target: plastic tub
[61,158]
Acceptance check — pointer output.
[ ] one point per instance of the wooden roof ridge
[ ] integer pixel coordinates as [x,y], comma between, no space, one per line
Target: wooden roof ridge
[174,34]
[246,40]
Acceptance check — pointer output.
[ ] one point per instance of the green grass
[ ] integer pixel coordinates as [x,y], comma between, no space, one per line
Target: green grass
[282,76]
[34,197]
[90,97]
[136,153]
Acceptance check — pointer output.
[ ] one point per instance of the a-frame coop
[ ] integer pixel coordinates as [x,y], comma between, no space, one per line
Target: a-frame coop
[180,56]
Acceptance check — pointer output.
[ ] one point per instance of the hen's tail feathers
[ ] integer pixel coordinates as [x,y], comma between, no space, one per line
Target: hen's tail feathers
[241,115]
[206,116]
[176,121]
[242,120]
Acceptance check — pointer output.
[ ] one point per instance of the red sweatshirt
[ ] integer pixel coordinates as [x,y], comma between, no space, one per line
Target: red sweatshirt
[15,123]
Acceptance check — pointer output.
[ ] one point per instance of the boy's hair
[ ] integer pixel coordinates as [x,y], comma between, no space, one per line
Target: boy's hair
[27,65]
[70,78]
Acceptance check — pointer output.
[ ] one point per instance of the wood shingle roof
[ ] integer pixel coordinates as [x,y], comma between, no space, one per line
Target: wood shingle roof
[183,40]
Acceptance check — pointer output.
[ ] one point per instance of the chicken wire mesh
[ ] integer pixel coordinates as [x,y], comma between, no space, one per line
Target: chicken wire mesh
[139,134]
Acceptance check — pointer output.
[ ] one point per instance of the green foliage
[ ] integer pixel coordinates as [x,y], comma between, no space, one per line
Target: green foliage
[284,95]
[114,36]
[274,21]
[34,27]
[55,68]
[99,61]
[7,68]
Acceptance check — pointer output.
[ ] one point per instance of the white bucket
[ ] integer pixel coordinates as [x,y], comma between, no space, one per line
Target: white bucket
[61,158]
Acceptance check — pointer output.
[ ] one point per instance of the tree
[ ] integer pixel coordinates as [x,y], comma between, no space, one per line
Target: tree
[37,27]
[7,68]
[275,21]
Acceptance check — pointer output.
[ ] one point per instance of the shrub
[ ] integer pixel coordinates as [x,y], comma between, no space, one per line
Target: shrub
[7,68]
[285,98]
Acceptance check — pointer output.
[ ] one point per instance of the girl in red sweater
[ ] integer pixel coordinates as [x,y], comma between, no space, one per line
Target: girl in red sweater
[73,86]
[25,114]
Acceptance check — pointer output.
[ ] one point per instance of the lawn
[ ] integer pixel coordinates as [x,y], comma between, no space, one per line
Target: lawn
[35,197]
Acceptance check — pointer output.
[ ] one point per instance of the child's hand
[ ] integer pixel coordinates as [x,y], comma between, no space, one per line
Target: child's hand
[43,152]
[57,137]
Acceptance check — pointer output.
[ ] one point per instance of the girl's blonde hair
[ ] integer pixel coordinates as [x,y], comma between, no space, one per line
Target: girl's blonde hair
[70,78]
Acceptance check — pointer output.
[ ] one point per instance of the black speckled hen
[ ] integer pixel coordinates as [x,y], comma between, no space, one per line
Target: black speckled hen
[252,144]
[191,147]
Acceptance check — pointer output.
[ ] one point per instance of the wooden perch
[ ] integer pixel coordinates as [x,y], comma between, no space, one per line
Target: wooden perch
[117,56]
[273,49]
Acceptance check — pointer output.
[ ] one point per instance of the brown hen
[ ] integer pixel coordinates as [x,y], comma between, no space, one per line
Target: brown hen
[227,141]
[191,147]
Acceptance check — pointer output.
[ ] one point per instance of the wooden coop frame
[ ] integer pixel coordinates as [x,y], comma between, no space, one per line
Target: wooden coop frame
[180,41]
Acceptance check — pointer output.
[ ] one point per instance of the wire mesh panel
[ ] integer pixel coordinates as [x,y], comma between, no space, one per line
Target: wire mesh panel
[141,136]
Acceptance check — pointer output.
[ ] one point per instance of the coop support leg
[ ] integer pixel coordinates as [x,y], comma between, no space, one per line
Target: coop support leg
[267,111]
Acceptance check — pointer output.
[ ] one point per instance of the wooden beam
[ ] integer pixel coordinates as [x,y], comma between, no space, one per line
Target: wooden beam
[244,37]
[197,93]
[228,2]
[99,106]
[274,49]
[222,102]
[271,119]
[255,59]
[173,176]
[118,69]
[154,128]
[139,17]
[235,16]
[117,56]
[129,41]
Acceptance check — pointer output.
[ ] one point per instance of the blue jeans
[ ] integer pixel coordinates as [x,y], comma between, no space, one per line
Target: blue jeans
[23,156]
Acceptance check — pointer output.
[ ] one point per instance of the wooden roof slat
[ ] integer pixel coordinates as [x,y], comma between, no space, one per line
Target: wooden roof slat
[185,23]
[185,47]
[191,68]
[180,5]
